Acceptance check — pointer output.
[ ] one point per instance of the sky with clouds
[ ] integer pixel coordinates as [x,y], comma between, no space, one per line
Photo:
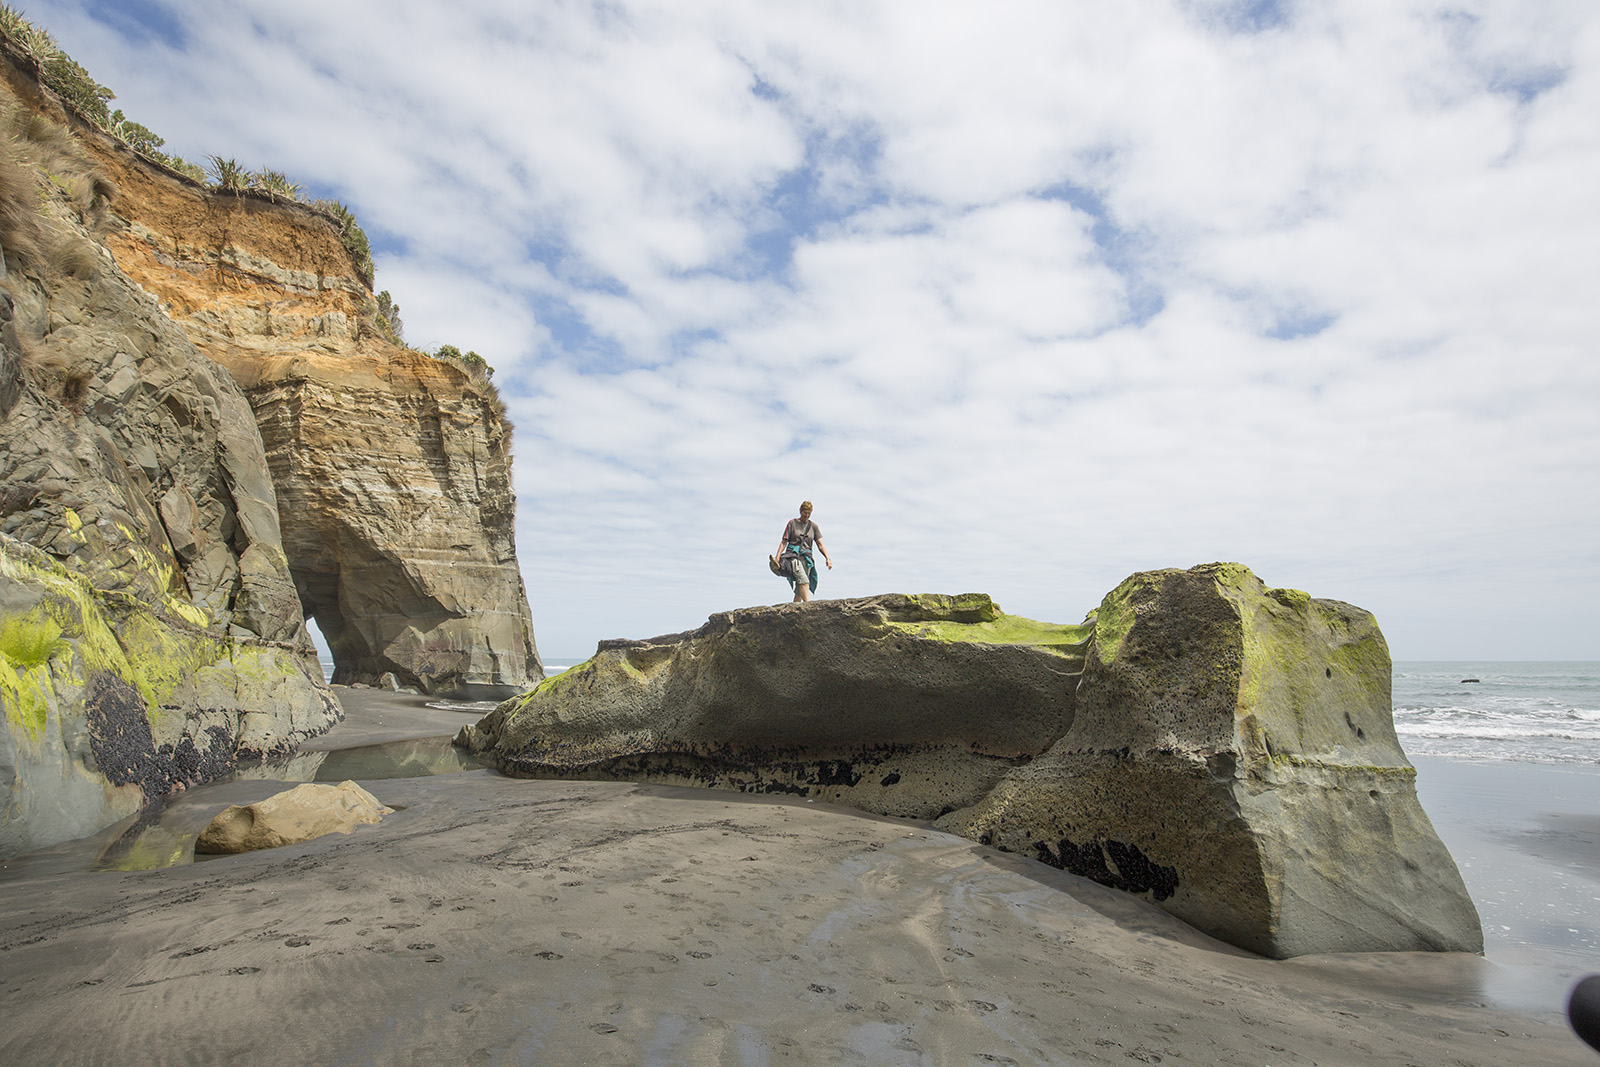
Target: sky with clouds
[1025,296]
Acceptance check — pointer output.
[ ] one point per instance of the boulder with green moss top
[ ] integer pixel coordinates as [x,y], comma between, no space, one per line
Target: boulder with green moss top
[904,705]
[1234,758]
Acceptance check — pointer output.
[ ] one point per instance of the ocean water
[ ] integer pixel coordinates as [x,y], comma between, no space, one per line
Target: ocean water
[1530,712]
[1508,770]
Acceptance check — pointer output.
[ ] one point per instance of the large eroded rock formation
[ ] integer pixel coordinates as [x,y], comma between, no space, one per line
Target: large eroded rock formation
[907,705]
[392,469]
[1226,749]
[398,476]
[150,632]
[1234,755]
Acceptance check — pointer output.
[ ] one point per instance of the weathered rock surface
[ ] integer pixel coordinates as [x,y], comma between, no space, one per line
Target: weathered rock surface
[300,814]
[1234,756]
[392,469]
[905,705]
[1225,749]
[150,631]
[398,475]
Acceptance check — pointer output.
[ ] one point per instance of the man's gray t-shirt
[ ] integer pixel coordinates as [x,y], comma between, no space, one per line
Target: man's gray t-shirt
[803,532]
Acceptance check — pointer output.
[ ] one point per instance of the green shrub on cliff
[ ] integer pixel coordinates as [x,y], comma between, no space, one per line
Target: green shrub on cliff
[470,362]
[351,235]
[276,184]
[389,318]
[227,174]
[144,141]
[135,135]
[55,68]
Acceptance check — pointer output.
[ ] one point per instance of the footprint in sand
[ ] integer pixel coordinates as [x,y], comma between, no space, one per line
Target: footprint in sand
[190,952]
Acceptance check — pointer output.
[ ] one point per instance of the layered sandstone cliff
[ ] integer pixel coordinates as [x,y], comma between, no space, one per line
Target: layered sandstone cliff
[164,534]
[393,469]
[150,632]
[398,476]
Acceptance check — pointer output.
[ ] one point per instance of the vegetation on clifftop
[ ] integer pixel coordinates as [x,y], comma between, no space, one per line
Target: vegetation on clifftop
[41,164]
[470,362]
[35,48]
[90,100]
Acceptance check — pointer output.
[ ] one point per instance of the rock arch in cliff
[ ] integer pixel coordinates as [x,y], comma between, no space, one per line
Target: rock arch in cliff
[394,491]
[392,469]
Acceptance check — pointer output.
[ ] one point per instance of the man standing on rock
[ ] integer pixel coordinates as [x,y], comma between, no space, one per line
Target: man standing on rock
[794,561]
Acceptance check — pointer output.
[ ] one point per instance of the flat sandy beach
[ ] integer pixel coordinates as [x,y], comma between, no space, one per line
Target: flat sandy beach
[497,921]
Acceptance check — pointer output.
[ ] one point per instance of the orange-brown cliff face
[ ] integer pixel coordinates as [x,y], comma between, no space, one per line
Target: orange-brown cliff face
[392,469]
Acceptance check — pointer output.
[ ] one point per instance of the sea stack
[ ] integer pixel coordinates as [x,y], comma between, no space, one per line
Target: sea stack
[1223,749]
[392,468]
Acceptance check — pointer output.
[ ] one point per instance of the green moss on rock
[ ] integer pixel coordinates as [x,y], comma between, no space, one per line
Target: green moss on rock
[29,640]
[1115,617]
[1004,629]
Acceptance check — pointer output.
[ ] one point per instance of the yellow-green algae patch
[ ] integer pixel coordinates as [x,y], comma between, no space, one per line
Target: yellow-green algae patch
[150,653]
[1005,630]
[29,640]
[163,577]
[1298,653]
[27,644]
[1116,615]
[160,659]
[550,686]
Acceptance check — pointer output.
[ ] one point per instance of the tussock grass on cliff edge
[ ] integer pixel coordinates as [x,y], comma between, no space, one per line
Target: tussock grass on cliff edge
[41,165]
[35,48]
[46,180]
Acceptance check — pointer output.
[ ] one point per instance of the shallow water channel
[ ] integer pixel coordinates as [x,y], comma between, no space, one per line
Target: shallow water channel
[163,834]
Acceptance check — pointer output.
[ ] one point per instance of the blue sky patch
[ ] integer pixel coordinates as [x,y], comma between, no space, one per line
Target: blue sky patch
[1298,324]
[139,21]
[1120,249]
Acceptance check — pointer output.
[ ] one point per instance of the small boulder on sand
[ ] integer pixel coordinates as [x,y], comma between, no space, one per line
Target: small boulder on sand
[294,815]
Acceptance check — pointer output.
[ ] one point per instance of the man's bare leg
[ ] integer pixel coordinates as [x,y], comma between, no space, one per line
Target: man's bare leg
[802,592]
